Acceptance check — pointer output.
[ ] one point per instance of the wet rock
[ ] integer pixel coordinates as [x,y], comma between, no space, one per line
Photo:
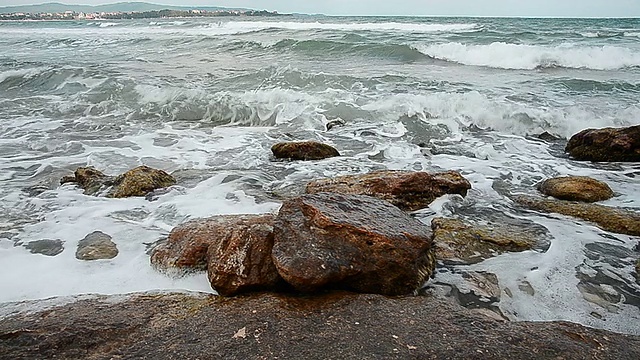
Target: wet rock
[333,123]
[407,190]
[608,144]
[303,150]
[351,242]
[480,289]
[457,242]
[602,295]
[576,188]
[96,246]
[188,244]
[328,326]
[547,136]
[45,247]
[136,182]
[239,256]
[638,270]
[607,218]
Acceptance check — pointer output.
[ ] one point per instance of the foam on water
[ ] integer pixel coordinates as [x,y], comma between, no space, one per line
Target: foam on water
[520,56]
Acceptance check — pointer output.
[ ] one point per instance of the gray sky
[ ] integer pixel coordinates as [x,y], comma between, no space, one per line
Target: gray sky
[570,8]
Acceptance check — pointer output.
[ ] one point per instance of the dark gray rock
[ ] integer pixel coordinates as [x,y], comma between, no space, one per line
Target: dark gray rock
[45,247]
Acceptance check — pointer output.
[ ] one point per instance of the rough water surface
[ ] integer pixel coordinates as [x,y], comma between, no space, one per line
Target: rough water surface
[205,99]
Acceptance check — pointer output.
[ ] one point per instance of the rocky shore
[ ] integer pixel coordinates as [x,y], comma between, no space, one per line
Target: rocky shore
[270,326]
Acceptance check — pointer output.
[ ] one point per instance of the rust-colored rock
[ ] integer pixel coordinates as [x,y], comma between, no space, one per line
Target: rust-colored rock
[408,190]
[351,242]
[607,218]
[576,188]
[136,182]
[188,244]
[139,182]
[608,144]
[239,260]
[458,242]
[303,150]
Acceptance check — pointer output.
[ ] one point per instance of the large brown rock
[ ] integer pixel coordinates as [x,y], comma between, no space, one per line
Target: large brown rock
[607,218]
[457,242]
[576,188]
[608,144]
[188,244]
[303,150]
[407,190]
[271,326]
[135,182]
[352,242]
[239,260]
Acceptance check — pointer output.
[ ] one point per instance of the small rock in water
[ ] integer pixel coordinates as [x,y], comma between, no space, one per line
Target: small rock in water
[576,188]
[45,247]
[351,242]
[303,150]
[480,289]
[96,246]
[612,219]
[608,144]
[461,243]
[407,190]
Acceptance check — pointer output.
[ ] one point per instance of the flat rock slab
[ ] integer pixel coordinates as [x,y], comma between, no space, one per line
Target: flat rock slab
[45,247]
[576,188]
[608,144]
[408,190]
[351,242]
[265,326]
[608,218]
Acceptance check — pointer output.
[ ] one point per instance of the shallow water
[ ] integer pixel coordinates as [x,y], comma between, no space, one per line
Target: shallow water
[206,99]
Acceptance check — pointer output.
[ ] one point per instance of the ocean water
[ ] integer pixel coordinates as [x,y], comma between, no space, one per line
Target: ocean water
[206,98]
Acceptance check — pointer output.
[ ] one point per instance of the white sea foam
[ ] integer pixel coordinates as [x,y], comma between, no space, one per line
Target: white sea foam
[25,73]
[517,56]
[108,24]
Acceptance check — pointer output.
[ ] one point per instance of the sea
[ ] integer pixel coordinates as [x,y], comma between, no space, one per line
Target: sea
[206,98]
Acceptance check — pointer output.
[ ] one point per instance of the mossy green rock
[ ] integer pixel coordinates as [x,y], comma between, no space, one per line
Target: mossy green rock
[612,219]
[458,242]
[576,188]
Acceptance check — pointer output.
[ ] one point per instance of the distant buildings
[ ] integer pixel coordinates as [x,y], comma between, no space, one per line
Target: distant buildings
[72,15]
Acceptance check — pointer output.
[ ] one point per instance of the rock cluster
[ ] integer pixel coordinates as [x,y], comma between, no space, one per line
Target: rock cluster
[407,190]
[608,144]
[136,182]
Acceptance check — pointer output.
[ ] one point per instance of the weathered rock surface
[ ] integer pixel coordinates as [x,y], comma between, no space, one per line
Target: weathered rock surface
[607,218]
[457,242]
[576,188]
[239,257]
[352,242]
[608,144]
[136,182]
[235,248]
[264,326]
[96,246]
[303,150]
[45,247]
[407,190]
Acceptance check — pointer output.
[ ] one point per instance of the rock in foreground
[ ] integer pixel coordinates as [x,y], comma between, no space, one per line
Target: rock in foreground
[96,246]
[608,144]
[136,182]
[458,242]
[576,188]
[351,242]
[607,218]
[262,326]
[407,190]
[303,150]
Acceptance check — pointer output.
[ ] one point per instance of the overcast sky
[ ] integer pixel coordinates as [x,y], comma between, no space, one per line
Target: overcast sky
[570,8]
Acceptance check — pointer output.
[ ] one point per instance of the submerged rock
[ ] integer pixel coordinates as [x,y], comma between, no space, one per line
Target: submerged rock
[351,242]
[576,188]
[96,246]
[607,218]
[638,269]
[457,242]
[136,182]
[303,150]
[328,326]
[239,257]
[407,190]
[608,144]
[45,247]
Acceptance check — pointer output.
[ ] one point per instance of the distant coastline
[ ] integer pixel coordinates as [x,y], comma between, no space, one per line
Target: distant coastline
[122,15]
